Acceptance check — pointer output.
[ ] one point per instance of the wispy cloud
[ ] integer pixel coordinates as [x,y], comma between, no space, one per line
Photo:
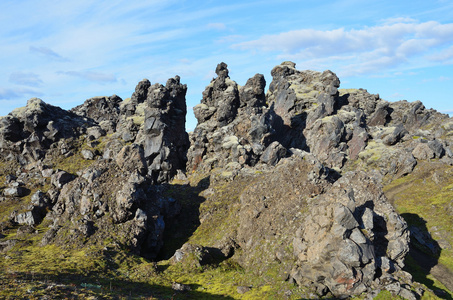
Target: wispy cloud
[48,53]
[443,56]
[217,26]
[91,76]
[448,111]
[361,50]
[15,93]
[390,21]
[438,79]
[234,38]
[397,96]
[29,79]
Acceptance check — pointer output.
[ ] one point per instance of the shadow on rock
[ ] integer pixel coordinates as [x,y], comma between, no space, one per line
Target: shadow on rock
[178,230]
[423,258]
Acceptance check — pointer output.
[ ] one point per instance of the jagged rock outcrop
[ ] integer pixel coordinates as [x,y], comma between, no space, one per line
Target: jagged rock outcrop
[154,118]
[28,132]
[100,109]
[233,126]
[106,201]
[345,236]
[129,146]
[306,161]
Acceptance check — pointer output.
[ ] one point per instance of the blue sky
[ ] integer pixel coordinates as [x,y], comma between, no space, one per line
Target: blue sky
[65,52]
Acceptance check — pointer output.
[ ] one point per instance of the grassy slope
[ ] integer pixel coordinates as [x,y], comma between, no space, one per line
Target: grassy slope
[28,269]
[425,199]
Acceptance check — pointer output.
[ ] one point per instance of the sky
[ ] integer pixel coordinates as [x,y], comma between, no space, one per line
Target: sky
[65,52]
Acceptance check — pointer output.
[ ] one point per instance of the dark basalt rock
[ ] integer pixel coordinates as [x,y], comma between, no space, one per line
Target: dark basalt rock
[100,109]
[329,229]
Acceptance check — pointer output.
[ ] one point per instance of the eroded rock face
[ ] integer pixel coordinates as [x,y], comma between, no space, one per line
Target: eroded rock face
[100,109]
[108,202]
[233,123]
[127,147]
[328,228]
[165,139]
[27,132]
[302,110]
[344,234]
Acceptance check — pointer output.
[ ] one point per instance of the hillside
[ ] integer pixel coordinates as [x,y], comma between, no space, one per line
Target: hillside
[306,191]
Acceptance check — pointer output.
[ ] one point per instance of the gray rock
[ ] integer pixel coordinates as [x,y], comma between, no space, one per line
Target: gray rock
[60,178]
[349,253]
[437,148]
[396,135]
[385,264]
[14,191]
[131,158]
[243,289]
[357,236]
[344,217]
[99,109]
[7,245]
[87,154]
[10,178]
[91,174]
[180,287]
[46,173]
[422,151]
[39,199]
[273,153]
[407,294]
[252,93]
[28,218]
[96,132]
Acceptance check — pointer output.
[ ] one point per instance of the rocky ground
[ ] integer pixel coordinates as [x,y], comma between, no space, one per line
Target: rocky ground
[303,191]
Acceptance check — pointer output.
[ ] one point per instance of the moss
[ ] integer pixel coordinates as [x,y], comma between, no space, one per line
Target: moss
[422,198]
[347,91]
[138,120]
[73,163]
[386,295]
[372,152]
[305,92]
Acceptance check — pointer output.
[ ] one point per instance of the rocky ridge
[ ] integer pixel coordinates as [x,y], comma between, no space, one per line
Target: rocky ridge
[308,161]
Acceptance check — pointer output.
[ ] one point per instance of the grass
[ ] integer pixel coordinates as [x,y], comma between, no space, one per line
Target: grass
[28,270]
[423,198]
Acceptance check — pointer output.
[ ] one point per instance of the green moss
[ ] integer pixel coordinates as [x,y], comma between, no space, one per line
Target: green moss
[347,91]
[372,152]
[422,198]
[73,163]
[386,295]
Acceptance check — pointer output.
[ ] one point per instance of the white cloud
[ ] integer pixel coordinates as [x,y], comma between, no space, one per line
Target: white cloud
[91,76]
[397,96]
[442,56]
[361,51]
[22,78]
[48,53]
[447,111]
[14,93]
[390,21]
[217,26]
